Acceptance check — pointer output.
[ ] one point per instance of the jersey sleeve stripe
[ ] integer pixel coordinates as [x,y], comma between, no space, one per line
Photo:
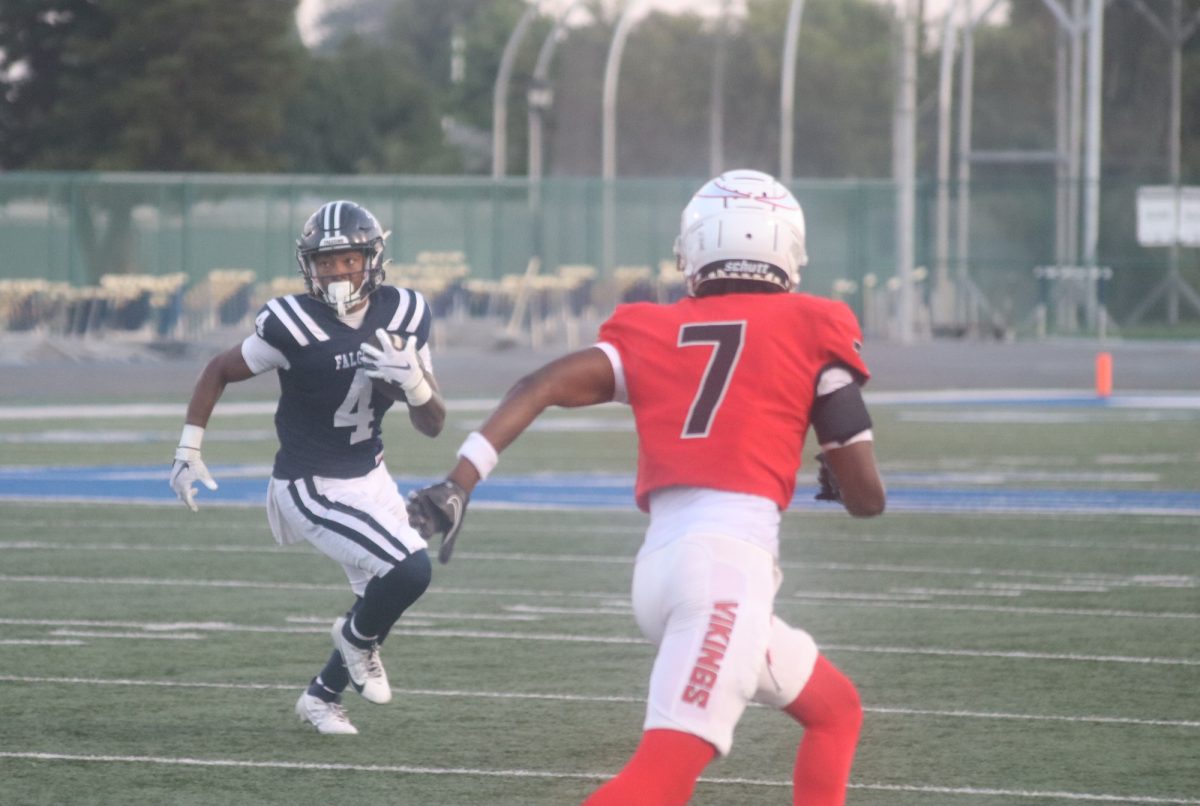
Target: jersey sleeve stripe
[309,323]
[620,391]
[288,322]
[403,309]
[412,309]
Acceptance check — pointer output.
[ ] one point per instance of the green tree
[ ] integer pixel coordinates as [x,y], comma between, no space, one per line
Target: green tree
[451,51]
[363,108]
[129,85]
[844,87]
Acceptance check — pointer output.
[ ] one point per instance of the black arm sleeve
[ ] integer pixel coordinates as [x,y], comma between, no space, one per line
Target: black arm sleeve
[840,414]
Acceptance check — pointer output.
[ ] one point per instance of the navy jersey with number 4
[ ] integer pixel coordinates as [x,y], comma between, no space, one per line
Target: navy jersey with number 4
[329,415]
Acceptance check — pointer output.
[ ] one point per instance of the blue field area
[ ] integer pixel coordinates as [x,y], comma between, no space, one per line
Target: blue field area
[244,485]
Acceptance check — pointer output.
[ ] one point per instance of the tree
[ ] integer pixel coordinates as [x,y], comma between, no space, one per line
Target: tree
[449,49]
[127,85]
[364,109]
[123,85]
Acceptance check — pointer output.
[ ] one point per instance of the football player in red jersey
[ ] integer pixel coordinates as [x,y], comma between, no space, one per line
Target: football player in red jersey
[723,385]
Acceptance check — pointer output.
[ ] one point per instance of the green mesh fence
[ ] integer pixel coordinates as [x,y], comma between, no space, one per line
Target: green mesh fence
[78,228]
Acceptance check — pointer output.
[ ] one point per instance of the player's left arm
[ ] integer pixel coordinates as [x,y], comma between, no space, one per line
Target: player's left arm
[430,417]
[849,472]
[857,478]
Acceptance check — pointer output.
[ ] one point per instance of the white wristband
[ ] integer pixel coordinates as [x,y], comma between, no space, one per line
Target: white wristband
[478,451]
[191,437]
[420,394]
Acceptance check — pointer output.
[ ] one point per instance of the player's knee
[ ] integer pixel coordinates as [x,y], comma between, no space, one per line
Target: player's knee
[407,580]
[412,576]
[662,772]
[848,708]
[829,701]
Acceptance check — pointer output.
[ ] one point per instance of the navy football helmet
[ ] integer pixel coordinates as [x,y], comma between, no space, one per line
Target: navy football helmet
[336,227]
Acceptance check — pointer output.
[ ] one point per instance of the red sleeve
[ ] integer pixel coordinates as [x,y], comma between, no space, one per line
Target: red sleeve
[842,339]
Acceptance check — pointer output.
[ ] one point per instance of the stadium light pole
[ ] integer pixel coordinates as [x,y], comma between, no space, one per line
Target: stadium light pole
[612,71]
[905,165]
[541,97]
[716,107]
[787,91]
[500,92]
[943,290]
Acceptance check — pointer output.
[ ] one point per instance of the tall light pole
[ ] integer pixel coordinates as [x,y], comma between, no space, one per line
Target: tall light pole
[500,93]
[905,165]
[716,106]
[541,96]
[612,72]
[787,91]
[943,289]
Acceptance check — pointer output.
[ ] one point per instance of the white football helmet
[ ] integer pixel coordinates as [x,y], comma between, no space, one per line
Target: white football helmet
[742,225]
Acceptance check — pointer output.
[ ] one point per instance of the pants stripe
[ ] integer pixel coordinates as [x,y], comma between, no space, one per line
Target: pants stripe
[356,537]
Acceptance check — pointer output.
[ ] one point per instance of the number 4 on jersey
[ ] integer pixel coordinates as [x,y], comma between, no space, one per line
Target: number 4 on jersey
[726,339]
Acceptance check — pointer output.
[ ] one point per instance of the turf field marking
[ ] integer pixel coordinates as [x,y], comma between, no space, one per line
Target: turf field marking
[37,642]
[1073,545]
[1007,653]
[157,636]
[417,630]
[607,531]
[406,769]
[592,698]
[1070,581]
[870,600]
[940,651]
[324,620]
[830,599]
[833,598]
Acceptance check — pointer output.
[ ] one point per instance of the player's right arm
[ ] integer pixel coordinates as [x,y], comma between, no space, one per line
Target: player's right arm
[189,468]
[225,368]
[582,378]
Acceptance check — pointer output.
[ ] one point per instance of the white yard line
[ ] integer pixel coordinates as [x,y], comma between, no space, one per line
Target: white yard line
[593,698]
[405,769]
[417,629]
[1067,580]
[866,599]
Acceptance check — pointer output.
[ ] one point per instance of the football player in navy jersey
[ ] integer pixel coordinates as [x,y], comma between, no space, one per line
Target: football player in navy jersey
[344,352]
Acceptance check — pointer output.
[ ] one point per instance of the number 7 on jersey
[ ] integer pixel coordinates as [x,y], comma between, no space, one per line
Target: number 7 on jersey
[726,340]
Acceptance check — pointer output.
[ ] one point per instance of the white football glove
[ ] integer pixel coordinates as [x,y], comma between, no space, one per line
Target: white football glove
[185,472]
[397,365]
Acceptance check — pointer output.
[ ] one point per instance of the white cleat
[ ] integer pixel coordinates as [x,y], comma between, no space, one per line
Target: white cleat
[367,675]
[327,717]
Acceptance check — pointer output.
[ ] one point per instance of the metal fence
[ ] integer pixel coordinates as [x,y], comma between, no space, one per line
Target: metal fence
[85,250]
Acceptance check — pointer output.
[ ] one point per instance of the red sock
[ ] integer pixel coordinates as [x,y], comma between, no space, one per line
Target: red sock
[662,772]
[829,709]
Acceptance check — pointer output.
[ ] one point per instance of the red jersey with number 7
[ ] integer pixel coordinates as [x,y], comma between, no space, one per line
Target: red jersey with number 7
[721,387]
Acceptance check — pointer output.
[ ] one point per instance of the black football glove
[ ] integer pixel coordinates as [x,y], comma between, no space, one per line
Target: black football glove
[830,491]
[439,509]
